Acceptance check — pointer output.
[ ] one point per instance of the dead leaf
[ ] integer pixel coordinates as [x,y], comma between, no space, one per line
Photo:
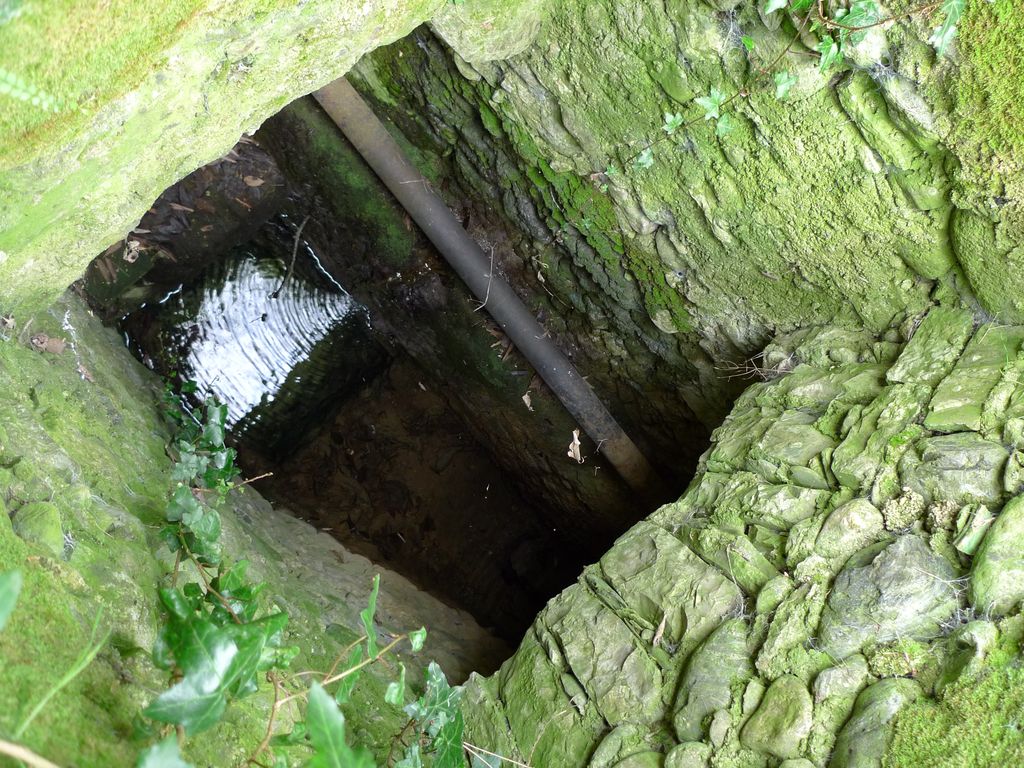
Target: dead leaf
[253,181]
[575,451]
[131,251]
[179,207]
[84,373]
[7,322]
[44,343]
[528,402]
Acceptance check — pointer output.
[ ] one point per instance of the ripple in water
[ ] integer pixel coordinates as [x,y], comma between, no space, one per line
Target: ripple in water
[279,351]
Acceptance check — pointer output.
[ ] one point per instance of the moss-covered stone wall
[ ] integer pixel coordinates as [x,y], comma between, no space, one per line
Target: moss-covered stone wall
[851,201]
[849,551]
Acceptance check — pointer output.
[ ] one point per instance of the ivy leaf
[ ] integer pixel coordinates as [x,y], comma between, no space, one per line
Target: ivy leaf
[799,6]
[672,122]
[10,588]
[216,662]
[748,42]
[417,638]
[784,81]
[775,5]
[412,758]
[163,755]
[724,125]
[831,53]
[348,683]
[712,104]
[395,692]
[944,34]
[326,726]
[644,160]
[367,616]
[182,504]
[213,430]
[438,715]
[862,13]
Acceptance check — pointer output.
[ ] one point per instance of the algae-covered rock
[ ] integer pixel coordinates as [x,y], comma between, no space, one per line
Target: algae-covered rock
[886,592]
[689,754]
[603,655]
[849,528]
[997,574]
[959,400]
[719,663]
[866,735]
[656,578]
[39,523]
[835,690]
[963,467]
[785,648]
[782,721]
[934,347]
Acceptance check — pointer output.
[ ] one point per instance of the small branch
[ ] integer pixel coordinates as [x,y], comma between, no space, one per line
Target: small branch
[253,759]
[25,755]
[490,277]
[352,670]
[832,24]
[481,752]
[295,253]
[399,739]
[206,581]
[235,486]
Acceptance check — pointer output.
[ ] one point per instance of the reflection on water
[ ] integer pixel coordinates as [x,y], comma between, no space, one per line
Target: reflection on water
[243,344]
[278,343]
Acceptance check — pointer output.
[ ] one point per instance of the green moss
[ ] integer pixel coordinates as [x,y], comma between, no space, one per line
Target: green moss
[161,91]
[989,108]
[978,720]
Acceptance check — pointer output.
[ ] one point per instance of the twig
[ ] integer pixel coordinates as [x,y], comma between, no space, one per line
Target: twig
[480,751]
[24,754]
[233,486]
[295,253]
[832,24]
[490,277]
[263,745]
[399,739]
[206,581]
[351,670]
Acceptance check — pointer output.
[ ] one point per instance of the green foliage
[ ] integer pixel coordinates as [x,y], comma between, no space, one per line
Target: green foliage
[784,81]
[712,104]
[216,660]
[216,645]
[10,588]
[944,34]
[831,53]
[439,717]
[775,5]
[724,125]
[672,122]
[644,160]
[367,615]
[326,726]
[163,754]
[748,43]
